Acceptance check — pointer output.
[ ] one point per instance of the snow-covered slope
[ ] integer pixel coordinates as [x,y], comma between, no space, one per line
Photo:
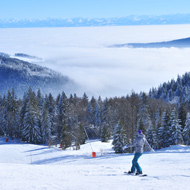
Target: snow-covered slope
[37,167]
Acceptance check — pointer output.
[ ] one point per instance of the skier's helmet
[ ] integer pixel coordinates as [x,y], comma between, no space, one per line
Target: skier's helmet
[140,132]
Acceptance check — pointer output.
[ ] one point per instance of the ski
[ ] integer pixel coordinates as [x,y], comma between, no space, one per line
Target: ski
[132,174]
[142,175]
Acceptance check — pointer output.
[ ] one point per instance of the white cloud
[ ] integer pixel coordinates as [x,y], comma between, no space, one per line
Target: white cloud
[83,54]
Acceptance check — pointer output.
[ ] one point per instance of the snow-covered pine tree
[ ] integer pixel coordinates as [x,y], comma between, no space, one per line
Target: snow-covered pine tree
[160,134]
[45,124]
[105,128]
[186,130]
[11,115]
[175,130]
[144,122]
[62,109]
[31,130]
[172,126]
[166,125]
[1,116]
[89,113]
[163,132]
[181,112]
[23,111]
[39,104]
[51,106]
[119,138]
[105,111]
[179,88]
[177,134]
[97,115]
[152,138]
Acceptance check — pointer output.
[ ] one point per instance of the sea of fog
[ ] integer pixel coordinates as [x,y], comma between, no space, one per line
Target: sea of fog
[84,54]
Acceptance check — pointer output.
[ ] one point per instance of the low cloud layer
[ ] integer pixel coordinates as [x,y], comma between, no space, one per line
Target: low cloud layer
[84,55]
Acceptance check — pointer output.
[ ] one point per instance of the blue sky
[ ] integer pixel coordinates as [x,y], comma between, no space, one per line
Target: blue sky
[21,9]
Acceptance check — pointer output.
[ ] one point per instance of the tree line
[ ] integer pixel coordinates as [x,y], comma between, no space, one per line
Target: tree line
[43,119]
[173,90]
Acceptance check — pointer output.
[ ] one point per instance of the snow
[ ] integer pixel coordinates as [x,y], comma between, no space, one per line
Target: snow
[38,167]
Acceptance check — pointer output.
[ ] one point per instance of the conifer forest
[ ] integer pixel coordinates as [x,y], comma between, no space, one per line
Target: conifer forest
[68,121]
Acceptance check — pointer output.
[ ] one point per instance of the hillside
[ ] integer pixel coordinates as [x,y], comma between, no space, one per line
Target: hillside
[34,167]
[19,74]
[179,43]
[173,90]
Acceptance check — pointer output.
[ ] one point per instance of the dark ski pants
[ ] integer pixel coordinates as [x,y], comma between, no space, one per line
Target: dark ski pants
[136,167]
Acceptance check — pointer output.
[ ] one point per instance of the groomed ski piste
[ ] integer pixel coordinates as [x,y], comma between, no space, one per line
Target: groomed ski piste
[37,167]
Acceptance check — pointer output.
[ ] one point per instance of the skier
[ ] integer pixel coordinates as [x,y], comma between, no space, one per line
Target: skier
[138,143]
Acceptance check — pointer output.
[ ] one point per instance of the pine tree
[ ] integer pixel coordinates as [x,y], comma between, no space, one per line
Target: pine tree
[177,134]
[89,113]
[105,110]
[186,130]
[39,107]
[119,138]
[163,132]
[152,138]
[181,113]
[105,129]
[97,115]
[31,130]
[11,115]
[172,126]
[51,106]
[65,138]
[1,116]
[166,125]
[45,125]
[82,135]
[85,100]
[105,135]
[144,122]
[141,125]
[62,109]
[176,130]
[160,134]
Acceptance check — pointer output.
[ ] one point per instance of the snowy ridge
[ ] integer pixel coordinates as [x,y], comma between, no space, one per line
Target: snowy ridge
[18,74]
[83,21]
[38,167]
[179,43]
[31,69]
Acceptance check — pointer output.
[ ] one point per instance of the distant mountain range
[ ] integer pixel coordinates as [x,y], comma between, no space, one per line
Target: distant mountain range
[80,22]
[179,43]
[18,74]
